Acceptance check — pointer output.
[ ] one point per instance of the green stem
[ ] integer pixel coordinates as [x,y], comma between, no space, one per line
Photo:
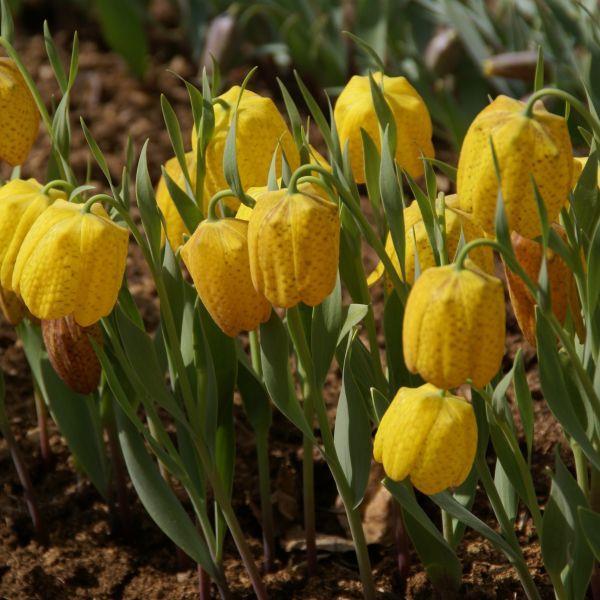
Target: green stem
[506,526]
[266,507]
[574,102]
[211,214]
[264,468]
[308,486]
[57,183]
[352,513]
[447,527]
[581,469]
[213,475]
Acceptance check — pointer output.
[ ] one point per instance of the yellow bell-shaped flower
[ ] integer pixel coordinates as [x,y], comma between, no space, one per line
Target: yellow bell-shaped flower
[294,240]
[538,146]
[417,246]
[428,436]
[260,130]
[21,203]
[217,258]
[354,110]
[174,223]
[19,116]
[71,262]
[454,326]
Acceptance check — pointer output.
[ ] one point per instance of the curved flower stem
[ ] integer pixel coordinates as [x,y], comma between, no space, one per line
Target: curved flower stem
[572,100]
[354,518]
[211,213]
[57,183]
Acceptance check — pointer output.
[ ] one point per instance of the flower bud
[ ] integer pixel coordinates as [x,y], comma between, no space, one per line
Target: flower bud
[71,262]
[454,326]
[428,436]
[19,116]
[418,247]
[535,147]
[71,353]
[293,240]
[217,258]
[260,131]
[354,110]
[175,227]
[21,203]
[563,291]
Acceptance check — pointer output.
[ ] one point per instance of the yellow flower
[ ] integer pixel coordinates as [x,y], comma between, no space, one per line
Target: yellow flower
[174,223]
[563,289]
[537,147]
[217,258]
[454,326]
[260,129]
[21,203]
[417,242]
[354,110]
[293,241]
[428,436]
[71,262]
[19,116]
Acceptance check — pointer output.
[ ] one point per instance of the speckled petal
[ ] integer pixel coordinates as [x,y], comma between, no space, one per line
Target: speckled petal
[354,110]
[454,326]
[217,258]
[19,116]
[537,147]
[260,130]
[103,258]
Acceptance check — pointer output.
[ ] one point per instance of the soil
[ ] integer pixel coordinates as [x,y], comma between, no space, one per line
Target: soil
[87,556]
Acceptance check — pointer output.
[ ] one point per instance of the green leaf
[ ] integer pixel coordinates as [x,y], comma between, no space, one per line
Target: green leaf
[326,326]
[539,71]
[369,51]
[446,502]
[392,199]
[274,344]
[566,554]
[96,153]
[393,319]
[146,202]
[586,196]
[438,558]
[384,114]
[593,275]
[353,315]
[555,389]
[57,67]
[589,523]
[158,499]
[7,26]
[352,433]
[186,207]
[124,28]
[372,167]
[255,397]
[524,401]
[174,131]
[380,404]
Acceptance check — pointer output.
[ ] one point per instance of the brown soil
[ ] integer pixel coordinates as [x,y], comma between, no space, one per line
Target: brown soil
[86,557]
